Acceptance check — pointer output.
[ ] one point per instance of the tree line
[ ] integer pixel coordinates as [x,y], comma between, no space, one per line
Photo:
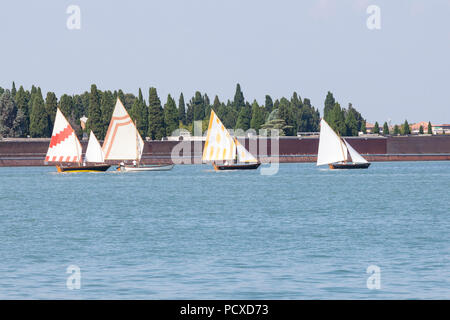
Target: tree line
[26,113]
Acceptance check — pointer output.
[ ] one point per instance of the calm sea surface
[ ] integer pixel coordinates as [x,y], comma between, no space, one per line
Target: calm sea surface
[304,233]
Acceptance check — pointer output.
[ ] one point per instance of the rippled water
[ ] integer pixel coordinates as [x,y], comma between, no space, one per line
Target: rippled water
[192,233]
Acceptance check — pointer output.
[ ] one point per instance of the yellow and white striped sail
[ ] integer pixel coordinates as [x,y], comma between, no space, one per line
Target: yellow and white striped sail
[219,144]
[243,155]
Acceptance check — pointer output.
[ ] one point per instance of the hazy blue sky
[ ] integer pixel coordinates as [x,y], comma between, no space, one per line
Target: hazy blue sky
[269,47]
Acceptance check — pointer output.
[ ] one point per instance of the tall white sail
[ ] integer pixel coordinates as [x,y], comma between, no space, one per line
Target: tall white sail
[243,155]
[122,141]
[219,145]
[64,144]
[94,152]
[331,147]
[356,157]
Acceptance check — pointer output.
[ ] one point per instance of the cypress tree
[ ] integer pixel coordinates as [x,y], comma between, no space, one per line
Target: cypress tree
[329,105]
[268,104]
[421,129]
[8,113]
[155,116]
[337,119]
[39,122]
[430,128]
[396,130]
[66,105]
[22,106]
[239,100]
[385,129]
[405,128]
[244,117]
[139,113]
[363,127]
[182,109]
[258,116]
[95,122]
[351,124]
[107,104]
[198,105]
[376,128]
[190,113]
[171,119]
[51,102]
[13,90]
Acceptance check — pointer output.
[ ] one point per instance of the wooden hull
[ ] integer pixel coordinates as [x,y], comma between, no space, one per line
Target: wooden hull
[251,166]
[88,168]
[349,165]
[163,167]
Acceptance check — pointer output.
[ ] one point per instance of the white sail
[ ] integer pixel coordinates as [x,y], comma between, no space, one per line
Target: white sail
[122,141]
[64,144]
[94,152]
[219,144]
[243,155]
[356,157]
[331,148]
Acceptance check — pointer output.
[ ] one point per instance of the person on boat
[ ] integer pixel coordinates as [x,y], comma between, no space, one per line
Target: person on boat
[134,163]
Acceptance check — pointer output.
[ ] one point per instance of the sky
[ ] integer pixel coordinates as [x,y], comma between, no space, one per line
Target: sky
[400,71]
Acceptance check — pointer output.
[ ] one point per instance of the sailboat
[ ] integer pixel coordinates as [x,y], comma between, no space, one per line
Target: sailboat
[221,146]
[65,149]
[337,152]
[124,143]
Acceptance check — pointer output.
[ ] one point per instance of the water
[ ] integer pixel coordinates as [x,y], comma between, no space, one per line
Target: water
[304,233]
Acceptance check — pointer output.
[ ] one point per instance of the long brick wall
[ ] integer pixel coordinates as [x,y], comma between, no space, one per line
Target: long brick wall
[31,152]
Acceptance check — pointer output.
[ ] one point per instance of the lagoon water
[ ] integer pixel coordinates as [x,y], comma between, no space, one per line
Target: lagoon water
[191,233]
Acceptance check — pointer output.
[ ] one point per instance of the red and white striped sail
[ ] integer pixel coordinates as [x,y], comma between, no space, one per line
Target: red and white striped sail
[219,144]
[122,141]
[64,144]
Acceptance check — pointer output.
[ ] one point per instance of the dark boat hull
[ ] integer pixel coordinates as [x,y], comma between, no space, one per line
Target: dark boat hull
[349,165]
[88,168]
[251,166]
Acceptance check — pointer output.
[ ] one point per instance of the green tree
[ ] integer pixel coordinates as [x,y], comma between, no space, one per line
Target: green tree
[66,105]
[430,128]
[337,119]
[385,129]
[156,130]
[8,114]
[95,122]
[171,119]
[405,128]
[181,109]
[376,128]
[363,127]
[258,116]
[139,113]
[244,117]
[421,129]
[198,106]
[22,104]
[39,122]
[239,101]
[13,90]
[268,104]
[51,103]
[107,104]
[396,130]
[351,124]
[330,103]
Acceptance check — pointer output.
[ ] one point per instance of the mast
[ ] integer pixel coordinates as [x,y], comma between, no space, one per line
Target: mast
[137,143]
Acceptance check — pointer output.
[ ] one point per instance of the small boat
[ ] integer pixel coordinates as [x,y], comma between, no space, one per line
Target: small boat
[124,144]
[65,149]
[336,152]
[221,147]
